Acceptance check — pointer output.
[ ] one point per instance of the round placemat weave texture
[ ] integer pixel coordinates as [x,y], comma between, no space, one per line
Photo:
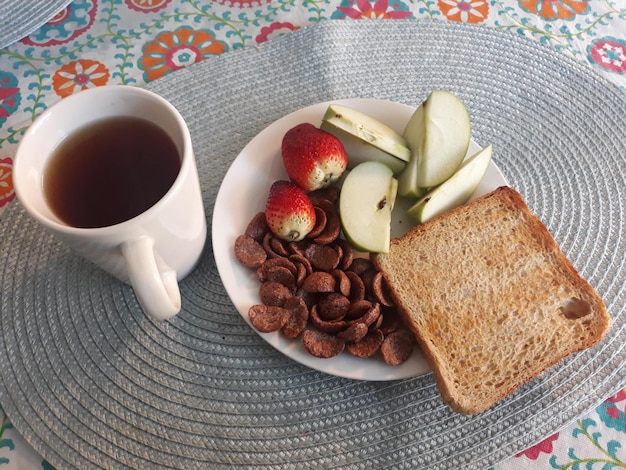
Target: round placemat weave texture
[90,381]
[19,19]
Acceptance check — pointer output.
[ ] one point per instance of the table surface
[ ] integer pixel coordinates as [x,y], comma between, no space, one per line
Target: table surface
[95,43]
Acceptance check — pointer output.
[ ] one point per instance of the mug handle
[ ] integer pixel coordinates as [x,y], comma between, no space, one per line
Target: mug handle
[153,281]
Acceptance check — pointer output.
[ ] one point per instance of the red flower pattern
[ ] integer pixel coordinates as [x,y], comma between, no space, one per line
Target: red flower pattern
[544,446]
[374,9]
[274,30]
[7,193]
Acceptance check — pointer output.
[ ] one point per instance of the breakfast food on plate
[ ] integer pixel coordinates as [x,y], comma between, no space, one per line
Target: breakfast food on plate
[455,190]
[289,213]
[366,200]
[491,298]
[438,135]
[365,138]
[316,289]
[483,288]
[430,161]
[312,285]
[313,158]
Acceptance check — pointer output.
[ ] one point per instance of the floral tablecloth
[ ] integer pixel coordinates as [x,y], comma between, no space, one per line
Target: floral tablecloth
[95,42]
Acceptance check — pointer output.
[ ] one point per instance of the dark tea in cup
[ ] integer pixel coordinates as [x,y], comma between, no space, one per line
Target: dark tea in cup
[110,171]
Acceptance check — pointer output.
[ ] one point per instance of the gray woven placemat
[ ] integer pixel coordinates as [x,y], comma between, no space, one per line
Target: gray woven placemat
[89,381]
[20,18]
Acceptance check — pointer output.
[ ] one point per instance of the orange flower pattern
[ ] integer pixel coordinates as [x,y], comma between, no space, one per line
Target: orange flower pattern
[465,11]
[79,75]
[174,50]
[555,9]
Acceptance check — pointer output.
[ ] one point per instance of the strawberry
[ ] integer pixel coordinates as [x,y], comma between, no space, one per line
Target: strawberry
[313,157]
[289,212]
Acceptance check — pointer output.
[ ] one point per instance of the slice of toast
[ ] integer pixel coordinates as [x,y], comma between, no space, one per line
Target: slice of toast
[491,298]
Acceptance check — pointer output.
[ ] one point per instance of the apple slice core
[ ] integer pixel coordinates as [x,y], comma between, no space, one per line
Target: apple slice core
[366,138]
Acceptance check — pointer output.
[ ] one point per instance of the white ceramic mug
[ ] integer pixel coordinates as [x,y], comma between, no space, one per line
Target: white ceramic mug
[152,251]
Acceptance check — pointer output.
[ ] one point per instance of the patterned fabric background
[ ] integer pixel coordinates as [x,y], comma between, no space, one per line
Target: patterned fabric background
[96,42]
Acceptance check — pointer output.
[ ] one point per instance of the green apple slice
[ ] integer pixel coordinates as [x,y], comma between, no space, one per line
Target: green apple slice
[365,138]
[360,151]
[407,180]
[438,134]
[365,204]
[456,190]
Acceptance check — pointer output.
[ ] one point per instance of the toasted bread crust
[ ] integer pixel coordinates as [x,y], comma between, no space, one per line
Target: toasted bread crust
[491,298]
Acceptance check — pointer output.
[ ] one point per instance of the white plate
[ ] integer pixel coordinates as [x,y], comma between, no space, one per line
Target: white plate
[243,193]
